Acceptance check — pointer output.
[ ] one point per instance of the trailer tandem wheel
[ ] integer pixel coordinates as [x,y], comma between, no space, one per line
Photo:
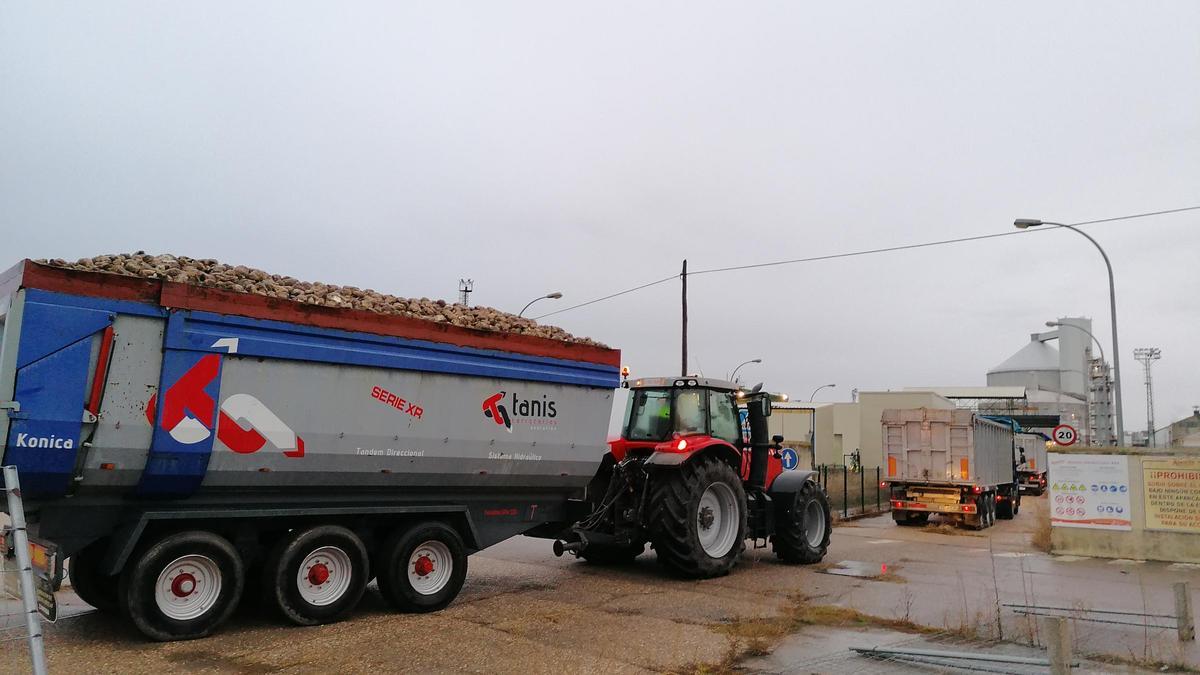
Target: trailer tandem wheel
[183,586]
[423,568]
[316,575]
[96,589]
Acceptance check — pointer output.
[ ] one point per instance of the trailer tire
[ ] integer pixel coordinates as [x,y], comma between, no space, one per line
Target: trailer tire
[317,575]
[910,518]
[689,501]
[602,554]
[155,589]
[803,528]
[424,567]
[96,589]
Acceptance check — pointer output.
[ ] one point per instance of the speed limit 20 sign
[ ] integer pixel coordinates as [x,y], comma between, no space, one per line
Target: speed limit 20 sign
[1065,434]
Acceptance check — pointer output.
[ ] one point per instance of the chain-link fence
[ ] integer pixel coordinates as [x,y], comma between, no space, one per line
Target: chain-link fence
[853,491]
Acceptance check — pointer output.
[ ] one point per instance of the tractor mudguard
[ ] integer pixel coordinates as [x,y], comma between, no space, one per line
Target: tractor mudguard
[790,482]
[676,452]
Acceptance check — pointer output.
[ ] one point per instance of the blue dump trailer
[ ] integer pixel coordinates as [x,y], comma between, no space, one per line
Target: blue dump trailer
[186,446]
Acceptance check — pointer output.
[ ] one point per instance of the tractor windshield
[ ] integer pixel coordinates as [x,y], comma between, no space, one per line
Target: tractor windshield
[656,414]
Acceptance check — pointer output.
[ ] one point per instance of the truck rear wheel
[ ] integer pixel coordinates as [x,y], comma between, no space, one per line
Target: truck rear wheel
[423,567]
[697,518]
[1007,507]
[96,589]
[803,528]
[315,576]
[183,586]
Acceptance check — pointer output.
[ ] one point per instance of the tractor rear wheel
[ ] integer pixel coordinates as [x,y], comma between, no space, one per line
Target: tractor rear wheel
[803,528]
[697,518]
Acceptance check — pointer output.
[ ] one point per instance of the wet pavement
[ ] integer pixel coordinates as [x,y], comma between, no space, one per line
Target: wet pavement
[523,610]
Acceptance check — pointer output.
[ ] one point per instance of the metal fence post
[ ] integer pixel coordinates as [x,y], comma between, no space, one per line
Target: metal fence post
[1183,612]
[862,490]
[845,494]
[33,621]
[1057,635]
[878,480]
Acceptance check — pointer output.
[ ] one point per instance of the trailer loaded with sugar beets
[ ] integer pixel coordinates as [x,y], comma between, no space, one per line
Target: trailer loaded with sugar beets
[954,463]
[186,445]
[685,479]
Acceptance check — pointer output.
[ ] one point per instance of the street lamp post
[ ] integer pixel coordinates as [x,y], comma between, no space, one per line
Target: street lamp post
[1023,223]
[734,373]
[1058,324]
[549,296]
[814,394]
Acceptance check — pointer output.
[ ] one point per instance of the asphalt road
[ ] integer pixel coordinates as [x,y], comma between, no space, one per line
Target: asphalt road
[523,610]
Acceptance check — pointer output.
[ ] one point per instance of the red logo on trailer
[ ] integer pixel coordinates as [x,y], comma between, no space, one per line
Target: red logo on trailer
[187,397]
[495,411]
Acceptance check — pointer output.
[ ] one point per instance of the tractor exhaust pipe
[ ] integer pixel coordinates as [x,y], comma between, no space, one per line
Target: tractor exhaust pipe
[758,408]
[561,547]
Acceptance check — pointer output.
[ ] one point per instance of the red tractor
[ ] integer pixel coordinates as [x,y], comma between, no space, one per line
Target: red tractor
[685,478]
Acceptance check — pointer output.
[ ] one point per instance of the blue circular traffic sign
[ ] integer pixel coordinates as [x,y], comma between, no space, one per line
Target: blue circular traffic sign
[790,459]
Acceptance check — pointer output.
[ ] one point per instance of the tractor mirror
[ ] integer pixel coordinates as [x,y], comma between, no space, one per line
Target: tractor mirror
[765,402]
[777,439]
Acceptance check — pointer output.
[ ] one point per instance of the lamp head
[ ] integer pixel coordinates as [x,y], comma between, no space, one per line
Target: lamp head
[1052,324]
[756,361]
[554,296]
[1023,223]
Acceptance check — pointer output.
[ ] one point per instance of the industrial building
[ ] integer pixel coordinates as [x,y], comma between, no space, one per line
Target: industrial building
[845,432]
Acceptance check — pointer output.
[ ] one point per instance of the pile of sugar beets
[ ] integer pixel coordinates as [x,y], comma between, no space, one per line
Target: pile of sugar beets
[242,279]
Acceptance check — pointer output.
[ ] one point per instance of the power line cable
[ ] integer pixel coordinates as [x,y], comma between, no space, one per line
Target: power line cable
[851,254]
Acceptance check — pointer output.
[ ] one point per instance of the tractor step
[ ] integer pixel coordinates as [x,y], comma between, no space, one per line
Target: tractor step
[760,517]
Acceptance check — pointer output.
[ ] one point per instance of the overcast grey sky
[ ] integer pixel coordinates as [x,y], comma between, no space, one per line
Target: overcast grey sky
[589,147]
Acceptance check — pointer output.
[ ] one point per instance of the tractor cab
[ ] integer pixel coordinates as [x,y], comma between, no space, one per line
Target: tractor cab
[662,410]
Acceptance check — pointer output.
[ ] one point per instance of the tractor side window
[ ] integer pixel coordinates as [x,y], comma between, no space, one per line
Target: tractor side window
[723,415]
[651,415]
[689,412]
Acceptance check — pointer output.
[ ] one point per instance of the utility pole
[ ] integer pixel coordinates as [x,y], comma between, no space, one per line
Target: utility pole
[465,286]
[683,275]
[1148,355]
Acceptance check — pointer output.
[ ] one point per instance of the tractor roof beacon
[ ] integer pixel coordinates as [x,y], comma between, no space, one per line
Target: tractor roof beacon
[695,473]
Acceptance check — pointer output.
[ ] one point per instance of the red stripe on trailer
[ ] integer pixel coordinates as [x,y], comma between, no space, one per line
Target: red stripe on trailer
[29,274]
[101,374]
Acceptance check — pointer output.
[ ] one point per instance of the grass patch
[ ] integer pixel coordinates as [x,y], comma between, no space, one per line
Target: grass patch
[1041,536]
[950,529]
[758,636]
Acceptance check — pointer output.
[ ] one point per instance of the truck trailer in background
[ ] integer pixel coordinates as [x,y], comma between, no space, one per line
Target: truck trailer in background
[950,462]
[1032,461]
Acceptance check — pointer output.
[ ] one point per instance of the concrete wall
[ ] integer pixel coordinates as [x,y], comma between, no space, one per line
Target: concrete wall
[1138,543]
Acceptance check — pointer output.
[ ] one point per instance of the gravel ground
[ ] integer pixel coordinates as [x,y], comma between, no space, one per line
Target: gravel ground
[525,611]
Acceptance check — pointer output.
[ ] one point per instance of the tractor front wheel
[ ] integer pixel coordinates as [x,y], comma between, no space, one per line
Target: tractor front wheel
[803,530]
[697,518]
